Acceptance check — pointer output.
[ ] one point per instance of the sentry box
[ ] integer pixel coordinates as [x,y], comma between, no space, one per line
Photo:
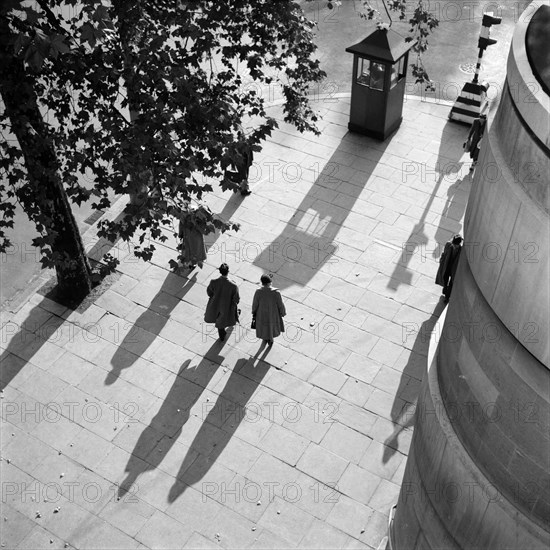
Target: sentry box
[378,88]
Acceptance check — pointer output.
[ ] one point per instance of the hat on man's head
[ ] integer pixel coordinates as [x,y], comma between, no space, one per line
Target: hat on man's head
[266,279]
[457,239]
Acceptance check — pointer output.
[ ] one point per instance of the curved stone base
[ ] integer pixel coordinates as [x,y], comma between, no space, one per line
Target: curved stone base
[446,502]
[478,471]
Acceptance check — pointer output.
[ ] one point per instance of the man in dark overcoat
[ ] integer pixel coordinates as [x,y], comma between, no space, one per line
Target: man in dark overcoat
[268,311]
[448,264]
[241,164]
[473,141]
[223,297]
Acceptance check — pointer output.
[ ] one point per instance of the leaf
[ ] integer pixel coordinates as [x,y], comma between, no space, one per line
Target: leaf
[32,15]
[33,57]
[58,45]
[87,34]
[21,42]
[185,114]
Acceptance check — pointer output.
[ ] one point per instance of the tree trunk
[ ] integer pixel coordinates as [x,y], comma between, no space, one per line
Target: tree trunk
[44,199]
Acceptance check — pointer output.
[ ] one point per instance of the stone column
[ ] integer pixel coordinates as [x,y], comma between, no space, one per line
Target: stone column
[478,472]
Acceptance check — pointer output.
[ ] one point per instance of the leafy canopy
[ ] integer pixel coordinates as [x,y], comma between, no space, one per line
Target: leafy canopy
[146,97]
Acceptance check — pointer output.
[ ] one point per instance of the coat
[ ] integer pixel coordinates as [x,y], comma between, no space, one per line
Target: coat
[241,162]
[194,249]
[448,264]
[269,310]
[474,137]
[222,303]
[241,167]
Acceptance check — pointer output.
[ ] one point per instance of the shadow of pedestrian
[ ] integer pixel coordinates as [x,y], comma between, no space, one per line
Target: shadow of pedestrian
[448,167]
[149,324]
[228,412]
[229,209]
[21,341]
[43,325]
[453,212]
[403,415]
[417,241]
[173,414]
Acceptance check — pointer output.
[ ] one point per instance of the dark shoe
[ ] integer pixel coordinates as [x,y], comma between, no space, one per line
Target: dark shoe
[246,192]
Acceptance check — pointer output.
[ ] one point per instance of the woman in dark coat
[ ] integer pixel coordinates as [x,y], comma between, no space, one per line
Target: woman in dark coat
[268,311]
[447,265]
[222,302]
[241,164]
[192,229]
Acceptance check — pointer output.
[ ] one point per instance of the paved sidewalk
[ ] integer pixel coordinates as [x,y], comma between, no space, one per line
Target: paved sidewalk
[128,425]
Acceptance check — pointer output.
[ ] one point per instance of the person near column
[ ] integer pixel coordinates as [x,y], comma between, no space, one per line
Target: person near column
[473,141]
[448,264]
[268,311]
[223,298]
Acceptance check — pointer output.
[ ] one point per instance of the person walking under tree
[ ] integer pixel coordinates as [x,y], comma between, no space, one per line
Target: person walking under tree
[241,165]
[191,231]
[223,297]
[448,264]
[268,311]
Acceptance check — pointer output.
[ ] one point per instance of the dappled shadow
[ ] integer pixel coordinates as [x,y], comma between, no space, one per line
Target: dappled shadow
[403,415]
[228,411]
[103,246]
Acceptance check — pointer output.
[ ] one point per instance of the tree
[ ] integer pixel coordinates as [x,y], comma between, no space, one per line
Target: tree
[147,96]
[35,163]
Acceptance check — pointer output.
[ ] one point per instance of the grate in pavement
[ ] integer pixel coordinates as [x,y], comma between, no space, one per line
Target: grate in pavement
[469,68]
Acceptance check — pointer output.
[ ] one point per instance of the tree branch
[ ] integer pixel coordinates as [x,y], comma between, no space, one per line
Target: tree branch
[52,19]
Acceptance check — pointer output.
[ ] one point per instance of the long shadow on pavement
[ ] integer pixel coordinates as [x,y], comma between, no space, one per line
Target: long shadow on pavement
[448,166]
[173,414]
[403,415]
[23,340]
[452,214]
[229,411]
[149,324]
[308,240]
